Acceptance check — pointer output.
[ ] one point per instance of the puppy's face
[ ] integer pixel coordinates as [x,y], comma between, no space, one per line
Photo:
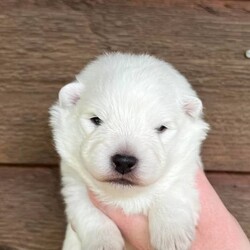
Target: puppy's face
[125,135]
[126,125]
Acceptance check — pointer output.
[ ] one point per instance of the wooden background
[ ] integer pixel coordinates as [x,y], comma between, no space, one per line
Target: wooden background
[43,44]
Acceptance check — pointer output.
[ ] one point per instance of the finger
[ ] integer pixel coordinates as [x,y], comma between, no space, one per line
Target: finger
[134,228]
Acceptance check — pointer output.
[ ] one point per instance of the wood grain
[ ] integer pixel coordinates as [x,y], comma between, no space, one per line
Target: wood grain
[44,43]
[31,210]
[233,189]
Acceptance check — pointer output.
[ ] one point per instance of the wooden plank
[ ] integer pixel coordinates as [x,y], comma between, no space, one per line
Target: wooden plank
[31,210]
[44,43]
[233,189]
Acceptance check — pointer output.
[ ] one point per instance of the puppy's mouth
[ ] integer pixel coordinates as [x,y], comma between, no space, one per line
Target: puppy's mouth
[121,181]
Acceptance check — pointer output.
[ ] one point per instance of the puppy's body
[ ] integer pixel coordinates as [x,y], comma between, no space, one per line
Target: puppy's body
[130,129]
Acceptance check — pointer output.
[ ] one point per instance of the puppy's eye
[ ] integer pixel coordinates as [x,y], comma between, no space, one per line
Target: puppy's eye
[161,129]
[96,120]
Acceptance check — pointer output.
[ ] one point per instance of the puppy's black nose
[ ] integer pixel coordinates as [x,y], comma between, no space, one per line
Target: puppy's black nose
[123,163]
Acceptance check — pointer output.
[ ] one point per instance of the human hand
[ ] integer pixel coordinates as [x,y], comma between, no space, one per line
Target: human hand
[217,229]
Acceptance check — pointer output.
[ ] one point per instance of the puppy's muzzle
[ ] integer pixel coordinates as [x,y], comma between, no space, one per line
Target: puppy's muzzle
[123,164]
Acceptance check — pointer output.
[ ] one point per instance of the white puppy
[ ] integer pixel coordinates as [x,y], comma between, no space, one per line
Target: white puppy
[129,128]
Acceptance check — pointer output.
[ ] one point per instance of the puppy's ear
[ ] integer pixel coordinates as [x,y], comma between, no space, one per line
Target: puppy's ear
[192,106]
[70,94]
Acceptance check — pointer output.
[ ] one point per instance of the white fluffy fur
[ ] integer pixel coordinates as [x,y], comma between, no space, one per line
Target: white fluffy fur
[133,95]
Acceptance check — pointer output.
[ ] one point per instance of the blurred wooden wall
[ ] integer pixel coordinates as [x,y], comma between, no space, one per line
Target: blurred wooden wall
[44,43]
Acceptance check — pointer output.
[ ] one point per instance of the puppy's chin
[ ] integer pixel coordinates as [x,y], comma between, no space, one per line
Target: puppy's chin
[121,182]
[120,188]
[129,181]
[113,184]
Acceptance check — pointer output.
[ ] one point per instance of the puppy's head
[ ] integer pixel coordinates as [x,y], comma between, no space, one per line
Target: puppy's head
[127,120]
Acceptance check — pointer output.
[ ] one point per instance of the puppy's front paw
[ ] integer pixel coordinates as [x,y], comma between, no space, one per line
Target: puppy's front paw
[71,241]
[171,237]
[104,238]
